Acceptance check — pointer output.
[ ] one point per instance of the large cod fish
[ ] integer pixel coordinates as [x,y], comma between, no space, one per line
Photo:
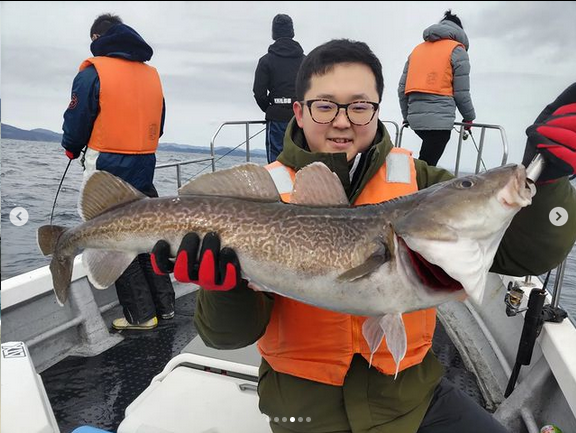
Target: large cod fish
[379,260]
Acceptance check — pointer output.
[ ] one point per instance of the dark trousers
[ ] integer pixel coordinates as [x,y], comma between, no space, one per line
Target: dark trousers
[142,293]
[433,145]
[453,411]
[274,139]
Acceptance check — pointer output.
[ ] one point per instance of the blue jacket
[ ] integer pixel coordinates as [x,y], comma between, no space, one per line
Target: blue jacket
[119,41]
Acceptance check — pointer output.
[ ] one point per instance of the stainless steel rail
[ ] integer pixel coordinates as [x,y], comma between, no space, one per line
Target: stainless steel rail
[480,149]
[212,156]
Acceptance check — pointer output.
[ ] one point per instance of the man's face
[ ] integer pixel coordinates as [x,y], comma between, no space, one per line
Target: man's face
[345,83]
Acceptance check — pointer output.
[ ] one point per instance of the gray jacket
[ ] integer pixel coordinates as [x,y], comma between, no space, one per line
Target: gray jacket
[426,111]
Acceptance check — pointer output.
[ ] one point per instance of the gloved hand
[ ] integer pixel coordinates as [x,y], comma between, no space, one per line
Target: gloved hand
[468,125]
[555,138]
[405,124]
[214,269]
[72,155]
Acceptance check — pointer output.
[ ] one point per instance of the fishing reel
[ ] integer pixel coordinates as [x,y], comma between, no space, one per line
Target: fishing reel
[513,298]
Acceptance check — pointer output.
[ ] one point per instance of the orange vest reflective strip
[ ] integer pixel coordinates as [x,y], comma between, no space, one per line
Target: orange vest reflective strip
[317,344]
[283,178]
[430,68]
[130,103]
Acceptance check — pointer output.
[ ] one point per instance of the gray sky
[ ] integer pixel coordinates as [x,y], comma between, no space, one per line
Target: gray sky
[522,56]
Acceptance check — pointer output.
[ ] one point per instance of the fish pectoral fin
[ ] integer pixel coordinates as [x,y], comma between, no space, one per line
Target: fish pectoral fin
[249,181]
[391,327]
[104,267]
[377,259]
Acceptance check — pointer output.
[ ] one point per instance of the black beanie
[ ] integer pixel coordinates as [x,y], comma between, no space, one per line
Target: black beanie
[282,27]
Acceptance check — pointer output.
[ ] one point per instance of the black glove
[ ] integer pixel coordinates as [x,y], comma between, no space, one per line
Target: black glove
[214,269]
[554,136]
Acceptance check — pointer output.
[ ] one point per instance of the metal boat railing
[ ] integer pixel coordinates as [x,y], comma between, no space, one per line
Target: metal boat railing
[212,158]
[178,166]
[479,148]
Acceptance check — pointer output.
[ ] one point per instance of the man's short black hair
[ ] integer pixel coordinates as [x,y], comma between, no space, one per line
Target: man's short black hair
[323,58]
[103,23]
[448,16]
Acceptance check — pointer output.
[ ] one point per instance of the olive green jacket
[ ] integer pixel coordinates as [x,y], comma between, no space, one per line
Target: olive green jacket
[237,318]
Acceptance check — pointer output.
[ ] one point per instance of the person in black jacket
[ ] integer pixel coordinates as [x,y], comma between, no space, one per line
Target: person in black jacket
[275,81]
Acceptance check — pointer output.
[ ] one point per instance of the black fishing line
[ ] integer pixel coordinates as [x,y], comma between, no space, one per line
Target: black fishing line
[58,190]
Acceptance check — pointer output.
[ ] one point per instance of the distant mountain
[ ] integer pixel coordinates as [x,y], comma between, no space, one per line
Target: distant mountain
[14,133]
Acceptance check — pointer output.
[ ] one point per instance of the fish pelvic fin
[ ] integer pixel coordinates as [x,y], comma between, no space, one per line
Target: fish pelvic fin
[376,259]
[103,191]
[47,237]
[391,327]
[249,181]
[317,185]
[61,270]
[104,267]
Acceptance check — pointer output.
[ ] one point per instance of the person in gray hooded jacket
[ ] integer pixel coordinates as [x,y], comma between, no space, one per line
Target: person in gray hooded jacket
[436,80]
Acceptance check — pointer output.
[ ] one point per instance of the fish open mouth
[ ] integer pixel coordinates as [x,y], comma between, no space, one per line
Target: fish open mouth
[430,275]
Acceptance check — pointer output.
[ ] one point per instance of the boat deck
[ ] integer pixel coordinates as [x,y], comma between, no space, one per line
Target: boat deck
[96,391]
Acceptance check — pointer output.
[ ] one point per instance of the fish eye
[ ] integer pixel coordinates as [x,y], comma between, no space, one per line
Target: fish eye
[466,183]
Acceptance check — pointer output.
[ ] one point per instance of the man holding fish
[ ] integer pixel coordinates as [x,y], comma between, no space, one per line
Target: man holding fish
[318,364]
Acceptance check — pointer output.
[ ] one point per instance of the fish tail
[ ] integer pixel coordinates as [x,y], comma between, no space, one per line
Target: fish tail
[61,269]
[48,236]
[60,266]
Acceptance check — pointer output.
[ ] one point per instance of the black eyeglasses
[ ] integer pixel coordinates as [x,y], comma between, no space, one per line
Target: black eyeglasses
[324,111]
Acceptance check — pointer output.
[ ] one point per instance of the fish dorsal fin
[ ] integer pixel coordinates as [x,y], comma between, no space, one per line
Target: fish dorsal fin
[243,181]
[102,191]
[317,185]
[390,326]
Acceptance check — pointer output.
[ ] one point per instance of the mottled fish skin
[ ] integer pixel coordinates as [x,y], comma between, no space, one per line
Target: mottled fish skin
[301,251]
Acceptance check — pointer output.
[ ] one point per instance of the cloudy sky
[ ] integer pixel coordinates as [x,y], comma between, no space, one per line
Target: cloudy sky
[522,57]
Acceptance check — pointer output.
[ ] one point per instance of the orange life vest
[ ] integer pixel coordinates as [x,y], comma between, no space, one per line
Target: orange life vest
[317,344]
[130,102]
[430,68]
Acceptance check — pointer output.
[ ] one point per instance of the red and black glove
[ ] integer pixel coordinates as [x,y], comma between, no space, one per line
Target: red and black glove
[555,138]
[212,269]
[72,155]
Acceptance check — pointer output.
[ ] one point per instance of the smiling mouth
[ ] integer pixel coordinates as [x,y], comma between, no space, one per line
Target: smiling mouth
[340,142]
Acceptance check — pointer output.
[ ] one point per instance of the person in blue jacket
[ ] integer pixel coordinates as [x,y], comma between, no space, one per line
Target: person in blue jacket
[120,134]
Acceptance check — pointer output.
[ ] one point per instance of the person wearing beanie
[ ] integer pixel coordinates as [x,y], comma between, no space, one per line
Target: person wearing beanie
[275,81]
[436,80]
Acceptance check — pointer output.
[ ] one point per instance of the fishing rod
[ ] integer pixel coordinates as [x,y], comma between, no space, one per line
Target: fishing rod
[536,313]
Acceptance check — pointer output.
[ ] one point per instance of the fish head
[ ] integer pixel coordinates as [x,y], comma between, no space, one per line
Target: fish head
[450,235]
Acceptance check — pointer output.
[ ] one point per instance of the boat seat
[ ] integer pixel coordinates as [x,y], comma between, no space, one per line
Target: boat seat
[247,355]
